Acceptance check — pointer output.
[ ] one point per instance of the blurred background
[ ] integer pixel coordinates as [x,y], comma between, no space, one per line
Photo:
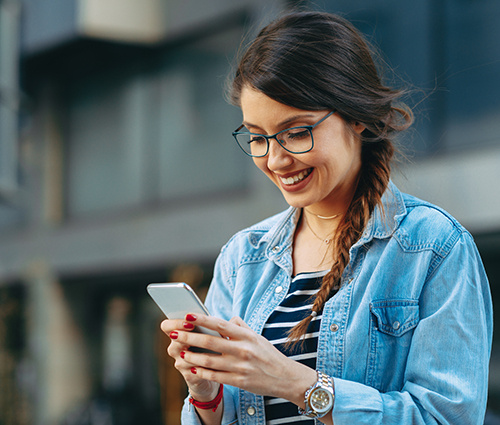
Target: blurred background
[117,169]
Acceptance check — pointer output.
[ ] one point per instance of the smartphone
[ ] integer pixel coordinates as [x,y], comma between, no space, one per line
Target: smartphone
[178,299]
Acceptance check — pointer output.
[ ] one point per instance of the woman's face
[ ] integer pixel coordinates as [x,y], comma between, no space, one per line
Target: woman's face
[324,179]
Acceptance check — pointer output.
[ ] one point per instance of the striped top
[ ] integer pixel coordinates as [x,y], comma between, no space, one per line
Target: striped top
[296,306]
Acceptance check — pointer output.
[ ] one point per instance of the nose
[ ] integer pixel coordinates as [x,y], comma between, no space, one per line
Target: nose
[278,157]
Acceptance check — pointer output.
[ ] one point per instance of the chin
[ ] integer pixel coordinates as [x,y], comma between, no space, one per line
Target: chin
[297,203]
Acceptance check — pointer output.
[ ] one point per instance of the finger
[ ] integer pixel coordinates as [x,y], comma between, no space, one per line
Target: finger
[223,327]
[168,325]
[240,322]
[213,361]
[211,375]
[228,348]
[196,340]
[175,349]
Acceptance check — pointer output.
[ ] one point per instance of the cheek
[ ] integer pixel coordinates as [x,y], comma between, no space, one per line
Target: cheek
[261,164]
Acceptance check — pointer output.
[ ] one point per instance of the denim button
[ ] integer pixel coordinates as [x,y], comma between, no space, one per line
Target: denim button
[278,289]
[276,249]
[396,325]
[251,411]
[334,327]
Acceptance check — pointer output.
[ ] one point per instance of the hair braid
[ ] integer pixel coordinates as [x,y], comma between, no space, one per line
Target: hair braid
[373,182]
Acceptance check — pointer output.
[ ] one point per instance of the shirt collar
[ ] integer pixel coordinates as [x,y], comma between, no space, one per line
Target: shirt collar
[386,217]
[382,224]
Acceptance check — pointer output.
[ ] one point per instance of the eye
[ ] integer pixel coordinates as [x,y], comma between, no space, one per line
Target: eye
[255,138]
[296,134]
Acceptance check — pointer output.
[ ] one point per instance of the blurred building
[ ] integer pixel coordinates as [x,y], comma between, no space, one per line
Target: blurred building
[117,169]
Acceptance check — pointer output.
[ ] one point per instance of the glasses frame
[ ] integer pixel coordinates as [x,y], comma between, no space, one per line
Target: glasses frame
[275,136]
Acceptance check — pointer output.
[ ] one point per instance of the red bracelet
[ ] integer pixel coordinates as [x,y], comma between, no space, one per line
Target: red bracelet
[209,404]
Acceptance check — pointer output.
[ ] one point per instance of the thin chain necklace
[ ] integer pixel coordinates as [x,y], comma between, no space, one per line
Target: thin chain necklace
[326,241]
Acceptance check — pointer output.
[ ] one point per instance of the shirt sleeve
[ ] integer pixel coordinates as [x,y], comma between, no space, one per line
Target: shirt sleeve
[446,374]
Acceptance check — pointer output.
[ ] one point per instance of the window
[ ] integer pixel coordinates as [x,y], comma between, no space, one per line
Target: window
[155,129]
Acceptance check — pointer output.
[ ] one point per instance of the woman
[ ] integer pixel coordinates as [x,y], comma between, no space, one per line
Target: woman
[357,305]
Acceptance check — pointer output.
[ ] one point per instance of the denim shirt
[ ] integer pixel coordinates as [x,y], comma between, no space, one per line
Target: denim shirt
[407,338]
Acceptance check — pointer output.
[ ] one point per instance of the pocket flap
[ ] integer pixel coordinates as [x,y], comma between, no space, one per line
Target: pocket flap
[395,317]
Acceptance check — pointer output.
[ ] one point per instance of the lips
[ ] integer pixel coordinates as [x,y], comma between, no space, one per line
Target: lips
[295,179]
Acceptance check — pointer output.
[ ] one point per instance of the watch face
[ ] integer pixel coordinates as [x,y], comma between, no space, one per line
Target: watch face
[321,400]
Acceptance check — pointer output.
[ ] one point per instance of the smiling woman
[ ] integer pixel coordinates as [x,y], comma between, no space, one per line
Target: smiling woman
[355,304]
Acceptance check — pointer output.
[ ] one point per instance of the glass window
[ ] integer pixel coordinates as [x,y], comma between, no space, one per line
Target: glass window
[156,131]
[104,153]
[197,153]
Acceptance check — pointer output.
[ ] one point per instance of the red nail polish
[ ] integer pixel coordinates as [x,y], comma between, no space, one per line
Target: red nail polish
[188,325]
[193,370]
[183,353]
[173,335]
[191,317]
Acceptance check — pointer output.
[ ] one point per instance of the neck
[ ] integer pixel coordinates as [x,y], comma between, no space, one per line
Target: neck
[320,227]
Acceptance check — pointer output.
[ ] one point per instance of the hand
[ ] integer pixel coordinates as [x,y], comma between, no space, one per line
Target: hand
[201,389]
[247,360]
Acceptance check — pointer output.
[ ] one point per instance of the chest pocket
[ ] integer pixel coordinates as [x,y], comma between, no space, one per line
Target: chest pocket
[391,332]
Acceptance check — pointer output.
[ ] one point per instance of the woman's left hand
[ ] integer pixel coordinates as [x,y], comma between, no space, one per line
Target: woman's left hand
[247,361]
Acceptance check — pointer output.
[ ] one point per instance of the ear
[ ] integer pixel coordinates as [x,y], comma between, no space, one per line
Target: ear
[358,127]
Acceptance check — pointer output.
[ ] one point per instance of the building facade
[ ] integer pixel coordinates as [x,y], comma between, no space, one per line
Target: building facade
[117,169]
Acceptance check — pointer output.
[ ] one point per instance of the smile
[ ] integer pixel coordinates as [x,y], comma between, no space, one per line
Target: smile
[297,178]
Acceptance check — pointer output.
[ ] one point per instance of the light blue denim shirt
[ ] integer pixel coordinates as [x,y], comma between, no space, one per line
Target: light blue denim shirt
[407,338]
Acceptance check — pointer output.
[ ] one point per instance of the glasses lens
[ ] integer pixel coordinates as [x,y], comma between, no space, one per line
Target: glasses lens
[296,140]
[252,144]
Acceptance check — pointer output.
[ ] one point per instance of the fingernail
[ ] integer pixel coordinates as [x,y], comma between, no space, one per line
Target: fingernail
[188,325]
[191,317]
[183,353]
[173,335]
[194,371]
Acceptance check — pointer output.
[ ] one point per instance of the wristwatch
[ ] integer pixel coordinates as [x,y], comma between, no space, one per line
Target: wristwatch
[319,399]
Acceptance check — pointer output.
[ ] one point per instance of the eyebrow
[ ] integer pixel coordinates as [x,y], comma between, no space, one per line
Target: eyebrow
[282,123]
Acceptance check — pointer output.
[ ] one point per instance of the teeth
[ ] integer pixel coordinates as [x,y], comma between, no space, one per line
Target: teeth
[297,178]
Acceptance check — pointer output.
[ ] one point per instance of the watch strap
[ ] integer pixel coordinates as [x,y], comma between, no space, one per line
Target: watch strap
[324,381]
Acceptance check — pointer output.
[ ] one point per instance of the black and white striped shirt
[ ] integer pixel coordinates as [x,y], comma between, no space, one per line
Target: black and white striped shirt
[296,306]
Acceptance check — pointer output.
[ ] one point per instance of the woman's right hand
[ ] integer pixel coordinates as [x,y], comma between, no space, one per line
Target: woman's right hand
[200,389]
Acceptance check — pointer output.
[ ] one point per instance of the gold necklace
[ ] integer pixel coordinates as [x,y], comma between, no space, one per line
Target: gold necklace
[326,241]
[323,217]
[326,218]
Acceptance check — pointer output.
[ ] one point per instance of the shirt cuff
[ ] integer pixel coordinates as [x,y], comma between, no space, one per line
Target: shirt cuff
[190,417]
[355,403]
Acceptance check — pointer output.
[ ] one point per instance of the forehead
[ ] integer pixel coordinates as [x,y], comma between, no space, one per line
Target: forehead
[261,111]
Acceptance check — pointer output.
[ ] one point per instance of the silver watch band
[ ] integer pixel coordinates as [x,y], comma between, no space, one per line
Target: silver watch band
[324,382]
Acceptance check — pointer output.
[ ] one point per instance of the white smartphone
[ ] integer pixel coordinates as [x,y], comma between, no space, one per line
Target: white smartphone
[178,299]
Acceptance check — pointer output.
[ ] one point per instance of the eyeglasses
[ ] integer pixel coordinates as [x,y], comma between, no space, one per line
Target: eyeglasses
[294,139]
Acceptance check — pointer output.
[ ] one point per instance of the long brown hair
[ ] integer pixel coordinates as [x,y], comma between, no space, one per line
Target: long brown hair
[317,61]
